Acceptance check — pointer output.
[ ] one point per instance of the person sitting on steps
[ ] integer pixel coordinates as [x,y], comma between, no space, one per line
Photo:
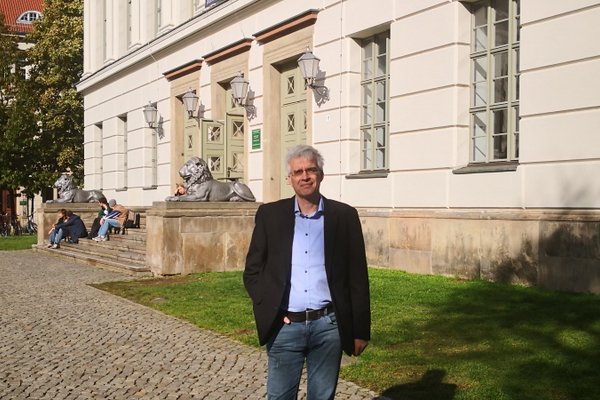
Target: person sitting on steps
[121,218]
[73,227]
[104,210]
[110,220]
[55,233]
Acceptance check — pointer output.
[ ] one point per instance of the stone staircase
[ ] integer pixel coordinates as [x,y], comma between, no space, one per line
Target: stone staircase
[124,253]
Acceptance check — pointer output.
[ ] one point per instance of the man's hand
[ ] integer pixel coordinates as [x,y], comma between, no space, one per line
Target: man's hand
[359,346]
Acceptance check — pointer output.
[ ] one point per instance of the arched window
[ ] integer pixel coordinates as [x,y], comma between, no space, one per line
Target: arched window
[28,17]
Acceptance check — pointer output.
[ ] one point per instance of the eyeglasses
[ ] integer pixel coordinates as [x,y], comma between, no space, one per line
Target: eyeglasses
[313,171]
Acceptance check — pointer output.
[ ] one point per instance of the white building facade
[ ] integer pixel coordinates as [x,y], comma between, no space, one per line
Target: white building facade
[466,132]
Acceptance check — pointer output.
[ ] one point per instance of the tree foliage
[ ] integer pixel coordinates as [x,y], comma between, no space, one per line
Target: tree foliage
[44,128]
[8,59]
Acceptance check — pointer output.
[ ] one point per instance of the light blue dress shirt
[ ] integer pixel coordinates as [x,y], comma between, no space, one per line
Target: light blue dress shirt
[309,288]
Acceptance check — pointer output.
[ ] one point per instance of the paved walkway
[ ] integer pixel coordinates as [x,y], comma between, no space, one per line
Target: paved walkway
[62,339]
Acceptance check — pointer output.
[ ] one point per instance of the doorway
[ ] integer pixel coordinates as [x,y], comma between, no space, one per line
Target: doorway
[293,117]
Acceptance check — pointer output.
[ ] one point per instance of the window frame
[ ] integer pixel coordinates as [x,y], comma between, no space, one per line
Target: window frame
[159,22]
[129,23]
[510,105]
[21,18]
[373,81]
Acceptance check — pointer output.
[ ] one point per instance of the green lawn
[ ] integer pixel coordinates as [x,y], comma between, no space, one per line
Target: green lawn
[432,337]
[22,242]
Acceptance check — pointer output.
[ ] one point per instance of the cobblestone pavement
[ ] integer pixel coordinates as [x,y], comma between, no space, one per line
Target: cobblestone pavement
[62,339]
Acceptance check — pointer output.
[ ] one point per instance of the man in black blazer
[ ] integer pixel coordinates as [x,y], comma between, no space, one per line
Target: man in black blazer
[306,273]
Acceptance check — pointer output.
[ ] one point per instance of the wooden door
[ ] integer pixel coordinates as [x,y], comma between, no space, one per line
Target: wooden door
[293,118]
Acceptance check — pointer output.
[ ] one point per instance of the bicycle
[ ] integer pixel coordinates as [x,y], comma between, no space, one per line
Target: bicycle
[32,227]
[4,225]
[17,229]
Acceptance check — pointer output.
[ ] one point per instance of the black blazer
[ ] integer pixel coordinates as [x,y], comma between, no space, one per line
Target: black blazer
[268,268]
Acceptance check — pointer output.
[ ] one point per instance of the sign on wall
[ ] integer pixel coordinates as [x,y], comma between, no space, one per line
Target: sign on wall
[255,139]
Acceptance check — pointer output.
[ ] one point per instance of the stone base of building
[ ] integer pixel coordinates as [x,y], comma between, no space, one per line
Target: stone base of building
[558,249]
[189,237]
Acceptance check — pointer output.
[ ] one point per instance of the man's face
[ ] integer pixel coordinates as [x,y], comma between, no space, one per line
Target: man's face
[305,177]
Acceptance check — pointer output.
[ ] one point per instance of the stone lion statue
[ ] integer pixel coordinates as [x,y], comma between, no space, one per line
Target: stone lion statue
[68,193]
[201,186]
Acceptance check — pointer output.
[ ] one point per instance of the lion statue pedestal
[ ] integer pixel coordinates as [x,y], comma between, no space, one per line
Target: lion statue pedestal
[201,186]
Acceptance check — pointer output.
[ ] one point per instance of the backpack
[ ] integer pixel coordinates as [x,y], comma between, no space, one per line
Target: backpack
[95,228]
[133,220]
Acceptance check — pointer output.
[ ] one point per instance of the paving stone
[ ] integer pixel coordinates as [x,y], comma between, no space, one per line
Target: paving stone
[63,339]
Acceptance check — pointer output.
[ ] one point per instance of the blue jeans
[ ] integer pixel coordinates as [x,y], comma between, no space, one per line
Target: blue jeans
[317,342]
[107,224]
[56,237]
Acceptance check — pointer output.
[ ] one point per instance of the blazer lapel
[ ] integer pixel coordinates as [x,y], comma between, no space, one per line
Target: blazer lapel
[331,219]
[287,234]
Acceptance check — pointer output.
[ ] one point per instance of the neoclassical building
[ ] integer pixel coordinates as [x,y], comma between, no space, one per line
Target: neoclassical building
[466,132]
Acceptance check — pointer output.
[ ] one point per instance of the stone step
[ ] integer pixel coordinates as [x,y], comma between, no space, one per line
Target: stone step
[131,235]
[70,252]
[118,242]
[104,252]
[125,253]
[113,249]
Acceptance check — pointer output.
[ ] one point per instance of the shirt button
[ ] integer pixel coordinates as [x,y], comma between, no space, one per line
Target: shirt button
[306,234]
[306,252]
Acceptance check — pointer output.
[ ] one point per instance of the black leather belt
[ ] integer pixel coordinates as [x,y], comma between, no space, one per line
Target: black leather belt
[308,315]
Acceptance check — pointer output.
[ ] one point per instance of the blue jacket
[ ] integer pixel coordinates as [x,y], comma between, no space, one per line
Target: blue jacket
[74,226]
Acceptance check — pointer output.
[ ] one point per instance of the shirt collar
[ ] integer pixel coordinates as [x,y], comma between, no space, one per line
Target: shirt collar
[317,213]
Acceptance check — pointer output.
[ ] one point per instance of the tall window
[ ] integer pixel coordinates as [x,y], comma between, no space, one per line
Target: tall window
[159,21]
[375,102]
[495,81]
[98,154]
[129,24]
[105,32]
[122,137]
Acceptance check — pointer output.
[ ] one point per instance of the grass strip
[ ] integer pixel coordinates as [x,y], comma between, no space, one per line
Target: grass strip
[432,337]
[22,242]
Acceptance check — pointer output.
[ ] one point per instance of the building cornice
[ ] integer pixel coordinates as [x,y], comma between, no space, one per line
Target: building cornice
[228,51]
[148,51]
[283,28]
[183,70]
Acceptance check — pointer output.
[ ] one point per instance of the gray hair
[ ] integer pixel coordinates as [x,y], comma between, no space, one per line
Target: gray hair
[304,151]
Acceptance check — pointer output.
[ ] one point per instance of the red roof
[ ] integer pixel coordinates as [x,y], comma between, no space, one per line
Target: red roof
[13,9]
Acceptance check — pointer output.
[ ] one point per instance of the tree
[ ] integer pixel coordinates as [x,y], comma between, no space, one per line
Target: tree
[8,59]
[44,131]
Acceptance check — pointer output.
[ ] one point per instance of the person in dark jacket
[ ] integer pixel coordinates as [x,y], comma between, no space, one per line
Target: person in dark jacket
[71,226]
[53,231]
[105,209]
[306,272]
